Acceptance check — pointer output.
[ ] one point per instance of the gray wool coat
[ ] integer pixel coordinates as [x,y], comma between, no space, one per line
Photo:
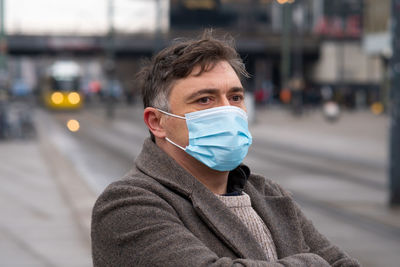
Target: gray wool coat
[160,215]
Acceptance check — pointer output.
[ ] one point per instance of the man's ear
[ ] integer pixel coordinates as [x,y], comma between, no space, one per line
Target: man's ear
[152,118]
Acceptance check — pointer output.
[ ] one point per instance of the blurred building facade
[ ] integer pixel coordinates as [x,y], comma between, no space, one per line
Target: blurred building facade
[356,75]
[345,35]
[321,43]
[257,26]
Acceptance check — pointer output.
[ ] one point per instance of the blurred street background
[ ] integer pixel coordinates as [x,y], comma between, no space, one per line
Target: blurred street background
[323,103]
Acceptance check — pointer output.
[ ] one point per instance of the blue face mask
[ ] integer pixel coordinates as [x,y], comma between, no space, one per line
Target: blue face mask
[218,137]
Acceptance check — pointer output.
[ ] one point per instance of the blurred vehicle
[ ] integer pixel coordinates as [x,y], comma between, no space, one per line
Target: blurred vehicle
[61,86]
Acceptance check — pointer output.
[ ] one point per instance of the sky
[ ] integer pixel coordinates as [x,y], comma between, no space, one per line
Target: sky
[77,16]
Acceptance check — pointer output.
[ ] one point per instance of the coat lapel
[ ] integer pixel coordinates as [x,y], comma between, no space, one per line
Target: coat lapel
[226,225]
[279,215]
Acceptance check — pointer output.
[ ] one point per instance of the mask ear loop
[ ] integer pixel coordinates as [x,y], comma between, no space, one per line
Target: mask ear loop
[170,114]
[176,116]
[175,144]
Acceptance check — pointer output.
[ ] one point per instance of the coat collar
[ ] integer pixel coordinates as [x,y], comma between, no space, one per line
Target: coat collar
[154,162]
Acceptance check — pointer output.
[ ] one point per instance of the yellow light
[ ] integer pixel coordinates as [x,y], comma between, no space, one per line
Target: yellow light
[57,98]
[74,98]
[285,1]
[73,125]
[377,108]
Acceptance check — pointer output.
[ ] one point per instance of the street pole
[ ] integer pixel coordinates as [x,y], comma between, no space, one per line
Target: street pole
[286,45]
[110,61]
[394,164]
[3,75]
[297,84]
[3,40]
[2,34]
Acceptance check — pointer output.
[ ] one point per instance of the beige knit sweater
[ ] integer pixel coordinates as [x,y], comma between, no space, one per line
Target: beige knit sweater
[241,206]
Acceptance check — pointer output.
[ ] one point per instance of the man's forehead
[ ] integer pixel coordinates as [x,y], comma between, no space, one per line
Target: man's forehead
[221,65]
[219,73]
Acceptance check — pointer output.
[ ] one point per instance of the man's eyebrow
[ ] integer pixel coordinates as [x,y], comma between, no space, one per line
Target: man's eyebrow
[236,89]
[212,91]
[202,92]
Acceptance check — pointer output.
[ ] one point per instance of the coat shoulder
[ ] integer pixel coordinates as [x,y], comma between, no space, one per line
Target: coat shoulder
[133,185]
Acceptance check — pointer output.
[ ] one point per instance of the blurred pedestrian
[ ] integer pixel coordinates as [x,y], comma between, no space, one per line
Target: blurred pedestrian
[285,95]
[326,93]
[189,200]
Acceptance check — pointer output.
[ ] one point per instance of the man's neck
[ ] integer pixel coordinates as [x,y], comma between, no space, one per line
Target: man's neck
[215,181]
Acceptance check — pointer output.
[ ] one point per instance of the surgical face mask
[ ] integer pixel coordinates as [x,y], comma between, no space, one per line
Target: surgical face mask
[218,137]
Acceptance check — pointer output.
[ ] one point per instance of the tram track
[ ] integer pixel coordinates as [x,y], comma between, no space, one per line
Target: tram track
[320,164]
[369,224]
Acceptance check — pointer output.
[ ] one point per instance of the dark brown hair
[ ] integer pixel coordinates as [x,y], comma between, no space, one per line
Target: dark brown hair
[178,61]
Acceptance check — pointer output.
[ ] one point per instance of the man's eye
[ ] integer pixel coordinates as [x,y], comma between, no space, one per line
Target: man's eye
[237,98]
[204,100]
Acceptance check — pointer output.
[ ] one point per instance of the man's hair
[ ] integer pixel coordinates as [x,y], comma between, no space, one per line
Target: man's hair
[177,61]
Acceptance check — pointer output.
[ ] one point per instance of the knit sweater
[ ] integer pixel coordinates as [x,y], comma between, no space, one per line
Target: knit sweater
[241,207]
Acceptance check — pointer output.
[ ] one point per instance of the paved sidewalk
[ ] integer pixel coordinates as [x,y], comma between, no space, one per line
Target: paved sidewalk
[45,207]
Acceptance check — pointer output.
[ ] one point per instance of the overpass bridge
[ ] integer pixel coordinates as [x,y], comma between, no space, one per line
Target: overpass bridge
[261,52]
[268,45]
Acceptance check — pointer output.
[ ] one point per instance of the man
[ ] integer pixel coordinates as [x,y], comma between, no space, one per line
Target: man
[189,201]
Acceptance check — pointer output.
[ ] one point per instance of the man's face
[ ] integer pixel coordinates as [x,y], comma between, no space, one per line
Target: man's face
[219,86]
